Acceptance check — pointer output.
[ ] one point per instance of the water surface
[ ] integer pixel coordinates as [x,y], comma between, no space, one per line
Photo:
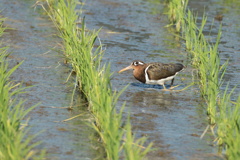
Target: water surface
[131,30]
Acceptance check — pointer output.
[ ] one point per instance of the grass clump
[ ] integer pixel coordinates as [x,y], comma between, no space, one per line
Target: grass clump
[93,78]
[228,128]
[14,141]
[176,12]
[223,115]
[205,57]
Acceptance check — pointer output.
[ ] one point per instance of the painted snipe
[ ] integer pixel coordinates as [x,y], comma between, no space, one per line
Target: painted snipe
[154,73]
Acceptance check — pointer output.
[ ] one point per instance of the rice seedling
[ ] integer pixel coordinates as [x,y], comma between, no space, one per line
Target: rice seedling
[134,151]
[15,143]
[176,12]
[228,128]
[93,78]
[206,59]
[223,116]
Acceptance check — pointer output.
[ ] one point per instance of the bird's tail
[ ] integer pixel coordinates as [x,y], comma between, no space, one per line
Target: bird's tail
[179,67]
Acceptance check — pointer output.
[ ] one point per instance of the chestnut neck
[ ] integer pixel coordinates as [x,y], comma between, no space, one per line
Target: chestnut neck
[139,73]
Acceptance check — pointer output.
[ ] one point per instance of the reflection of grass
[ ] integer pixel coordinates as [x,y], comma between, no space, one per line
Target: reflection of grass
[93,78]
[14,143]
[231,3]
[224,117]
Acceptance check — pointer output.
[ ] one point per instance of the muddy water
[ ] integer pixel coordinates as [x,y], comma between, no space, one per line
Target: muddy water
[32,40]
[229,46]
[135,30]
[130,30]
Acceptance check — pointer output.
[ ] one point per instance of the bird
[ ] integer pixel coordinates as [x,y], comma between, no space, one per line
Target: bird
[155,72]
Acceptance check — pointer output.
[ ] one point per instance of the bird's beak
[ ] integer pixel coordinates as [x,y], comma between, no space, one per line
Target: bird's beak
[124,69]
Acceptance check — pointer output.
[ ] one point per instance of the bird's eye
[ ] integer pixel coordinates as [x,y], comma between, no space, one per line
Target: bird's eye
[135,63]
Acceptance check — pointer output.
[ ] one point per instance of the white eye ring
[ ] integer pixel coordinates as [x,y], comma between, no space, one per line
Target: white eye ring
[136,63]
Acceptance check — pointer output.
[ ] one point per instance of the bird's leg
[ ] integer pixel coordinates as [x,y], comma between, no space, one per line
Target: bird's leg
[172,87]
[172,82]
[165,89]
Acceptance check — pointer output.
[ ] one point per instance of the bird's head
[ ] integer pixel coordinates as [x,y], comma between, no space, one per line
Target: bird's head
[134,65]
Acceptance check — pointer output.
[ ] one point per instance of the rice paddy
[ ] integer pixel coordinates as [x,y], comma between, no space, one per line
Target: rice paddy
[15,143]
[93,79]
[210,73]
[88,111]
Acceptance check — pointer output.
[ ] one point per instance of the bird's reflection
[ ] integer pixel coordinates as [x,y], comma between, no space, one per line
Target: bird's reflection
[144,85]
[152,98]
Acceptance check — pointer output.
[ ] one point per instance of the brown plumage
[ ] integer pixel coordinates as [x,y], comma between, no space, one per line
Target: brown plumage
[154,73]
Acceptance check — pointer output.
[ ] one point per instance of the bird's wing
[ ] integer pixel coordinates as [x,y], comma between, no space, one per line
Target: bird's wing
[157,71]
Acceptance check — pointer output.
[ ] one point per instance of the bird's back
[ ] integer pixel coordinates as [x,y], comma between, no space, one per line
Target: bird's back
[158,71]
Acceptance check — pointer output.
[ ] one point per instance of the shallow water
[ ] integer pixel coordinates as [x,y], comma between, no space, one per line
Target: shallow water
[32,40]
[135,30]
[131,30]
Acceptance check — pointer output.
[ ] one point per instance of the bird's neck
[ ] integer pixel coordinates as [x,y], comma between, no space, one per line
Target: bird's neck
[139,73]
